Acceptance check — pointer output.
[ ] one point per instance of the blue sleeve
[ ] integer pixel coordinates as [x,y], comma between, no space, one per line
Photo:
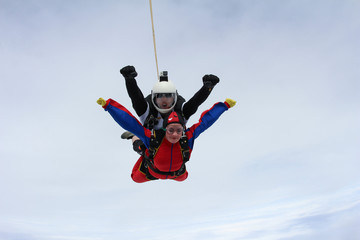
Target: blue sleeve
[127,121]
[206,120]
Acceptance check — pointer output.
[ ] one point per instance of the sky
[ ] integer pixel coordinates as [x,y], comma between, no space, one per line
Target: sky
[282,164]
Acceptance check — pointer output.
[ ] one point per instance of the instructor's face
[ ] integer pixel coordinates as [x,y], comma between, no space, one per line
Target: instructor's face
[164,101]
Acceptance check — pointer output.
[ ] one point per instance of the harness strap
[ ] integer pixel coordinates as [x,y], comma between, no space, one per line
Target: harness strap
[176,173]
[154,146]
[184,148]
[144,168]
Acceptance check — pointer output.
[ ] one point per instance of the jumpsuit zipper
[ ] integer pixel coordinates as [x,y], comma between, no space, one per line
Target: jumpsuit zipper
[171,158]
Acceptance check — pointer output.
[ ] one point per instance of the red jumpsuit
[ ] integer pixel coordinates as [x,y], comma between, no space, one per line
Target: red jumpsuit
[169,156]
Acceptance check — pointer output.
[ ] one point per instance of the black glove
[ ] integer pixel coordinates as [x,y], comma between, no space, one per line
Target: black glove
[210,80]
[128,72]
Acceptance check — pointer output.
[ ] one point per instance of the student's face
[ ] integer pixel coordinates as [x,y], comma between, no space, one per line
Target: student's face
[174,132]
[164,100]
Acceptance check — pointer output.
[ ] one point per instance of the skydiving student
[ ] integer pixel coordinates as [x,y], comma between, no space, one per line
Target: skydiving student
[163,99]
[168,148]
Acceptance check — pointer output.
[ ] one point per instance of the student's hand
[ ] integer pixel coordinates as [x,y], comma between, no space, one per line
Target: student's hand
[128,72]
[230,102]
[210,79]
[101,102]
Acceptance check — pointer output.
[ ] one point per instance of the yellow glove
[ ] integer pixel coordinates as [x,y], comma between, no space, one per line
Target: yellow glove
[230,102]
[101,102]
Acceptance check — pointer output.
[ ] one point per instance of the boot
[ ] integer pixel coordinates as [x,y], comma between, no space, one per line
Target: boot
[127,135]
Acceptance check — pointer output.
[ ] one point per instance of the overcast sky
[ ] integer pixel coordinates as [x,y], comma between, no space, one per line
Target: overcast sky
[282,164]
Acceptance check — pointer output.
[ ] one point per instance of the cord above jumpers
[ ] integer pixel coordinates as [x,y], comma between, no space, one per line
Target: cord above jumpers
[153,31]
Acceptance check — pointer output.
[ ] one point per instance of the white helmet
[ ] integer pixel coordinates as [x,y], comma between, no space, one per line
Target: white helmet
[165,87]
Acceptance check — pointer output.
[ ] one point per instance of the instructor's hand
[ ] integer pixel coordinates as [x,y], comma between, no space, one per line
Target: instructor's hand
[128,72]
[210,79]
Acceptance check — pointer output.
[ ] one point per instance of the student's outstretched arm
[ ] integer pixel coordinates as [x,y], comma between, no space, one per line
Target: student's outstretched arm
[125,119]
[207,119]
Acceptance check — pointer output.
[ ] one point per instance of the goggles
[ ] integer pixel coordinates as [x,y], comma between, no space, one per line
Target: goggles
[172,130]
[167,95]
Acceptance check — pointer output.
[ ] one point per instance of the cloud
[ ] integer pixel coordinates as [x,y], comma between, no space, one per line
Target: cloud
[275,166]
[293,219]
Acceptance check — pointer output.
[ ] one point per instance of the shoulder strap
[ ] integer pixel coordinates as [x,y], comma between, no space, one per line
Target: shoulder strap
[150,120]
[179,102]
[184,148]
[157,136]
